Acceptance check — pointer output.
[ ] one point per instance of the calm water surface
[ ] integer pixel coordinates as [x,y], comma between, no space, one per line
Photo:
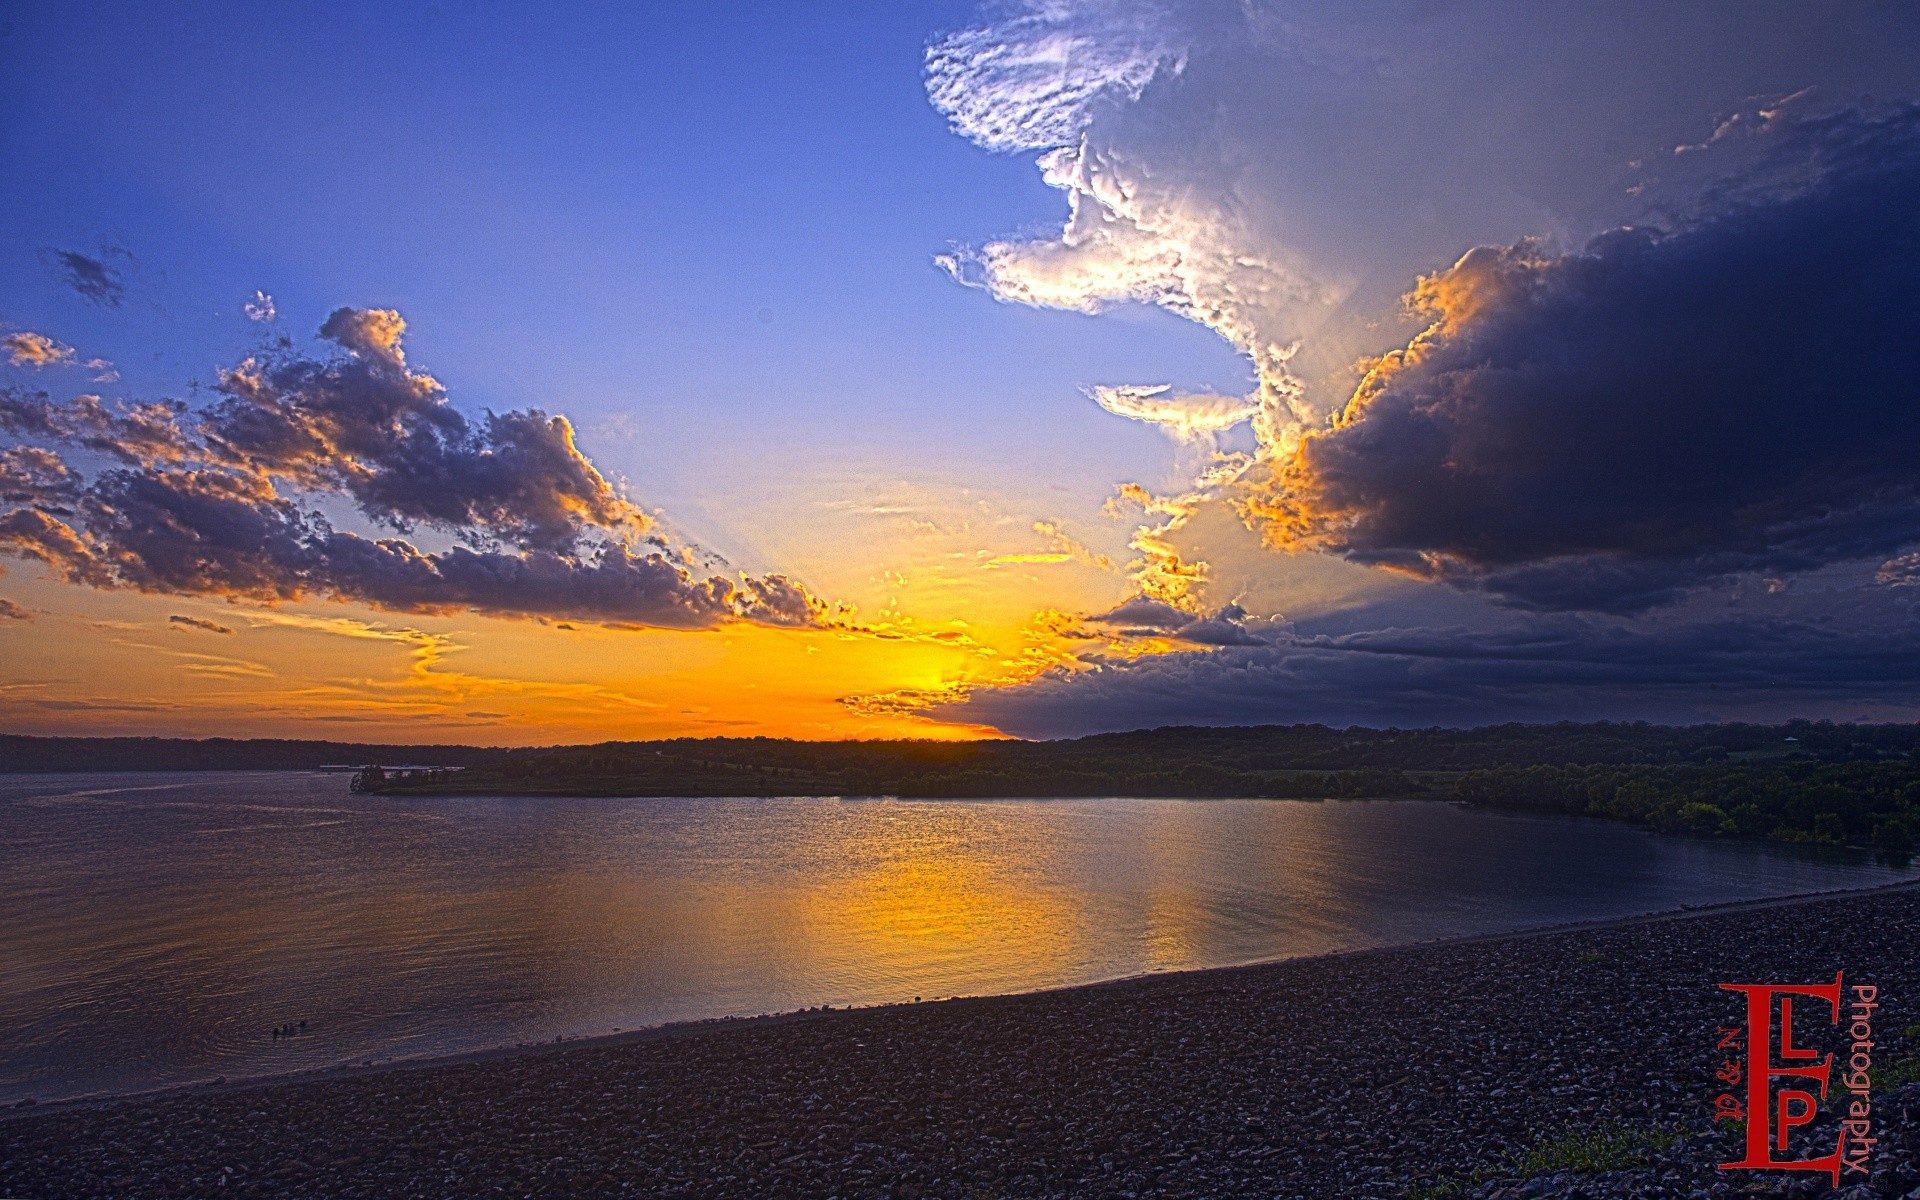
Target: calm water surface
[155,928]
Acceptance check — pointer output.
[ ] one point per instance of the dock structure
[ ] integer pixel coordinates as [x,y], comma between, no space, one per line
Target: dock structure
[376,778]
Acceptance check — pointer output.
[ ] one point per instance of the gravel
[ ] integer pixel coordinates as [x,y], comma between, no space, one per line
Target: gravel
[1414,1072]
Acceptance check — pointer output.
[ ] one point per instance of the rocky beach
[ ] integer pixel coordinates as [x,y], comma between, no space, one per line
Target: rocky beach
[1576,1063]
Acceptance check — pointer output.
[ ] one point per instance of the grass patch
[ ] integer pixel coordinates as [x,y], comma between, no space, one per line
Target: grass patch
[1589,1151]
[1610,1148]
[1897,1073]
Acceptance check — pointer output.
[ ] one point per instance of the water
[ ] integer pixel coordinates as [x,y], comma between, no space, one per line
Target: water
[155,928]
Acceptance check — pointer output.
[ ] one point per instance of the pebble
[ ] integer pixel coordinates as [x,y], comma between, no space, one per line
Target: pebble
[1418,1072]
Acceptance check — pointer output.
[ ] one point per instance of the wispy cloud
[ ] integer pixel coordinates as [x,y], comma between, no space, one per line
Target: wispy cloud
[94,278]
[198,623]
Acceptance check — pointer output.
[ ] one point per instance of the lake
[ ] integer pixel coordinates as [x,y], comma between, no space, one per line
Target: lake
[154,929]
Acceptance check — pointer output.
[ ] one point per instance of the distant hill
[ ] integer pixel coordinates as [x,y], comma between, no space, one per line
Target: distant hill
[1269,760]
[1174,760]
[20,754]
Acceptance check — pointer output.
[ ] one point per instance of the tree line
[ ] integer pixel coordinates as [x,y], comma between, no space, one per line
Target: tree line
[1874,804]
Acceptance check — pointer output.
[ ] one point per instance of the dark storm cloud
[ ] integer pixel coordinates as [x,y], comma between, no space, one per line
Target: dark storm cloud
[90,277]
[1538,669]
[1607,429]
[218,502]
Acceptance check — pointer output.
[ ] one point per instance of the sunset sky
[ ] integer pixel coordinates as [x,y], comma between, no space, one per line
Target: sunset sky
[501,373]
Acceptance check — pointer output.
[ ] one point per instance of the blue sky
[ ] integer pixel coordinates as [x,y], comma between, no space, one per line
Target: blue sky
[716,221]
[945,368]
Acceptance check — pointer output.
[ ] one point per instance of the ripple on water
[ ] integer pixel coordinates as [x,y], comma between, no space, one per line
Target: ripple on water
[158,931]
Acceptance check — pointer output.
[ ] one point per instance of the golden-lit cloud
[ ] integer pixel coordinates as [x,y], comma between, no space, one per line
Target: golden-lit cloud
[1062,548]
[30,349]
[1661,410]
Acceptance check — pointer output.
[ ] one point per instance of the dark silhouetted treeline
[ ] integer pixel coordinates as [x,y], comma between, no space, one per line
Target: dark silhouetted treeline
[1873,804]
[1279,761]
[1802,781]
[218,754]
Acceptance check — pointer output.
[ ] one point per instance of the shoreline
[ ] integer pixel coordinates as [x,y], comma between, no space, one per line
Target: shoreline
[1574,1060]
[695,1026]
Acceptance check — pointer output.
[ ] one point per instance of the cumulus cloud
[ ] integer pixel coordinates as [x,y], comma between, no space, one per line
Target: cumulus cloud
[91,277]
[1275,171]
[36,476]
[1608,428]
[221,500]
[1661,370]
[366,425]
[131,433]
[30,349]
[259,307]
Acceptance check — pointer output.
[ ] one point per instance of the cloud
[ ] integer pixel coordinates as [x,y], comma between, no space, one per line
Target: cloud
[367,426]
[1034,80]
[1539,669]
[1061,548]
[30,349]
[103,706]
[1606,429]
[1144,616]
[1277,173]
[1903,571]
[198,623]
[1227,626]
[208,666]
[259,308]
[1144,611]
[37,476]
[9,611]
[221,501]
[132,433]
[1190,417]
[91,277]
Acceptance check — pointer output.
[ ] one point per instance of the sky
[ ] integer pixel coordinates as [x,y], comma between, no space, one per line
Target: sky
[484,373]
